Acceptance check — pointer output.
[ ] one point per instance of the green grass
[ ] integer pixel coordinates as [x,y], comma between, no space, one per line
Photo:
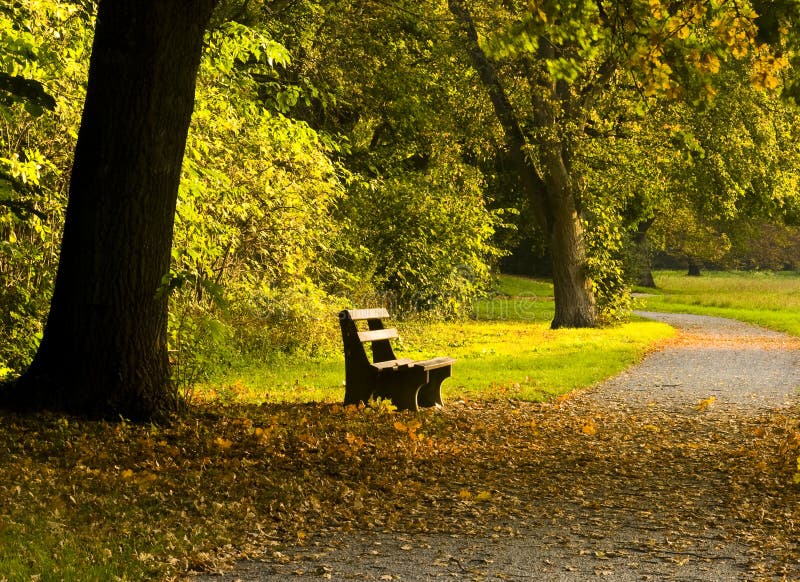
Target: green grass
[44,547]
[507,351]
[516,286]
[768,299]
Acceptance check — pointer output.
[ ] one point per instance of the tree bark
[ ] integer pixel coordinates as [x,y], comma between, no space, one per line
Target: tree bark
[694,267]
[552,197]
[103,352]
[644,269]
[572,286]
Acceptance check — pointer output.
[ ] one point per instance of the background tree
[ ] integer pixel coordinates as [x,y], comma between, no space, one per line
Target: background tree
[739,162]
[558,66]
[380,80]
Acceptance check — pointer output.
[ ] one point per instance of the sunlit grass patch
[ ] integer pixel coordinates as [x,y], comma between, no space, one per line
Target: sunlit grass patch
[507,351]
[764,298]
[531,362]
[519,299]
[517,286]
[520,308]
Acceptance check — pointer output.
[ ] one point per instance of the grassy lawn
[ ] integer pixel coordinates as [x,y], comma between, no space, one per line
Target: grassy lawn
[506,351]
[768,299]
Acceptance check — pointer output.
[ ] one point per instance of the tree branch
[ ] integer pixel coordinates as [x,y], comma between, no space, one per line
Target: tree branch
[531,181]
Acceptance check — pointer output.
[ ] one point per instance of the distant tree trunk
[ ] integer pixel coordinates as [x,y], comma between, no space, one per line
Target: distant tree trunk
[572,286]
[104,347]
[694,267]
[552,198]
[644,275]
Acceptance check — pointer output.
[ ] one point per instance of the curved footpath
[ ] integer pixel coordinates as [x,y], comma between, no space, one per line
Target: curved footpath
[637,510]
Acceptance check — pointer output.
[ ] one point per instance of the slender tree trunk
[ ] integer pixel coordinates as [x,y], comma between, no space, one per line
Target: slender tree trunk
[552,197]
[694,268]
[644,274]
[104,347]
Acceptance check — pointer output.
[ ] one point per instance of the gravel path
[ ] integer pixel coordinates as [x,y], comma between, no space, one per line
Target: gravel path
[648,518]
[740,365]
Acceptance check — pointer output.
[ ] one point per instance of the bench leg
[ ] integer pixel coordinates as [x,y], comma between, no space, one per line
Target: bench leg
[405,397]
[355,397]
[431,393]
[402,388]
[357,388]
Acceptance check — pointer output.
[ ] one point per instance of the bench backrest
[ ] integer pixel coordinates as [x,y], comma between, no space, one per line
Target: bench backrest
[376,334]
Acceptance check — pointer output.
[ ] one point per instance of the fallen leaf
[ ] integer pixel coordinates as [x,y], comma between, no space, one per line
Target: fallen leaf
[223,443]
[703,404]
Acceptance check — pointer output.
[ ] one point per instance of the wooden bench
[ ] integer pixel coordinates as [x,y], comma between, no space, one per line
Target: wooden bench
[408,383]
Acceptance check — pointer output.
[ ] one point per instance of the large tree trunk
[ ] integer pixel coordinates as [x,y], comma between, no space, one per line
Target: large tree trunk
[104,347]
[552,197]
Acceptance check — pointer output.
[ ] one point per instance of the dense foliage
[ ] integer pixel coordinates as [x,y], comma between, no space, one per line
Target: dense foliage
[279,223]
[43,46]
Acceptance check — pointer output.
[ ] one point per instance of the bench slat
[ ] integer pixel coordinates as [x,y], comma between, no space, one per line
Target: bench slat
[361,314]
[393,363]
[377,335]
[434,363]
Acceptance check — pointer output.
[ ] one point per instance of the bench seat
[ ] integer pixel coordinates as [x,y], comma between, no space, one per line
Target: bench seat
[408,383]
[393,364]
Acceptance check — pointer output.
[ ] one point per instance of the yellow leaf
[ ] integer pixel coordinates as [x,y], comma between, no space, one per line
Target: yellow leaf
[703,404]
[483,496]
[223,443]
[127,474]
[400,426]
[589,428]
[145,479]
[465,494]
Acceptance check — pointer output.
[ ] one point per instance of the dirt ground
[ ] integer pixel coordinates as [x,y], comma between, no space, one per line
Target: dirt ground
[678,469]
